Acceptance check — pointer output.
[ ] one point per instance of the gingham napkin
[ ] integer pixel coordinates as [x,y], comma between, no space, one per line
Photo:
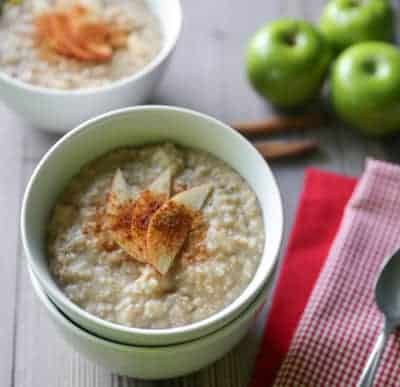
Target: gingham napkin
[336,331]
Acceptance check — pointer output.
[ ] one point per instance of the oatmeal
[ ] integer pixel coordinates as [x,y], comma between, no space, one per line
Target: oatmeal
[69,44]
[130,207]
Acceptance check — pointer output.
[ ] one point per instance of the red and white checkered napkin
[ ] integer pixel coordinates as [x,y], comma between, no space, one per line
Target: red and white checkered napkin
[340,322]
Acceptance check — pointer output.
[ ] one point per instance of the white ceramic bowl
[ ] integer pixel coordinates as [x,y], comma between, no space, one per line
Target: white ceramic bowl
[139,126]
[151,362]
[60,110]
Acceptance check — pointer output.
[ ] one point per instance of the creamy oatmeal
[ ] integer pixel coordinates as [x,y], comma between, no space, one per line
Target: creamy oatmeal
[69,44]
[213,254]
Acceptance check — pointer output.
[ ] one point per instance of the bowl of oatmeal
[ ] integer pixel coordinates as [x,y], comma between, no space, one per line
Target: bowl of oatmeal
[150,362]
[152,225]
[64,61]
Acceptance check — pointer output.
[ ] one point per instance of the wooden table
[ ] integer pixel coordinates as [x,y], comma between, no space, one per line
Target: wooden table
[206,74]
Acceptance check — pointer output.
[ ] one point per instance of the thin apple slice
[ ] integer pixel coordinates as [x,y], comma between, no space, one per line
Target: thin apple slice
[61,30]
[143,209]
[170,226]
[162,184]
[167,231]
[119,214]
[119,189]
[193,198]
[120,203]
[147,203]
[120,193]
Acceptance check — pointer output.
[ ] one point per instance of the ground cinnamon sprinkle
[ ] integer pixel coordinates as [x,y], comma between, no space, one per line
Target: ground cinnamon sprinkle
[194,248]
[96,224]
[144,207]
[108,245]
[142,210]
[99,217]
[122,220]
[173,224]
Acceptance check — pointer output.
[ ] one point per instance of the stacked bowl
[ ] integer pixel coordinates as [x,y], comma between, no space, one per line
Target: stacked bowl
[138,352]
[59,110]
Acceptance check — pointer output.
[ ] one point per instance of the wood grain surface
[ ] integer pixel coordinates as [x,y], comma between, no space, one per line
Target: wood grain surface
[206,74]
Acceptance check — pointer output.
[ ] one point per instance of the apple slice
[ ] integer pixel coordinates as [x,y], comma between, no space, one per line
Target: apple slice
[162,184]
[119,213]
[147,203]
[120,193]
[170,225]
[193,198]
[119,189]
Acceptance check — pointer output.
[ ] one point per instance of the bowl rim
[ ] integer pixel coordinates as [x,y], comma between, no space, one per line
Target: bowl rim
[52,308]
[162,55]
[56,294]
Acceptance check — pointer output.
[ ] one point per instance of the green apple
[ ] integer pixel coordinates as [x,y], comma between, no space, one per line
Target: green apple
[287,61]
[365,87]
[346,22]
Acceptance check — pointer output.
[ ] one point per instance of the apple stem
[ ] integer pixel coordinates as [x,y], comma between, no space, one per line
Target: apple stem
[290,38]
[369,66]
[354,3]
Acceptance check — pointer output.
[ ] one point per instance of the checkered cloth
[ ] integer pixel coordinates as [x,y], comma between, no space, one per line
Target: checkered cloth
[340,322]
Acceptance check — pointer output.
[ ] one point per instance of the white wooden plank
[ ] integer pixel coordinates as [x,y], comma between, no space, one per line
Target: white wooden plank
[37,143]
[10,184]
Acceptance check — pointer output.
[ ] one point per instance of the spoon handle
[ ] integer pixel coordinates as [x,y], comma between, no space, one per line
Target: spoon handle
[368,375]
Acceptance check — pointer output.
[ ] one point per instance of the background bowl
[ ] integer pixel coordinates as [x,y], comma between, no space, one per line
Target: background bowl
[139,126]
[60,110]
[151,362]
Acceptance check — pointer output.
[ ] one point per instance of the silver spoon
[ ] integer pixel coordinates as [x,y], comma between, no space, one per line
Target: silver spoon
[387,298]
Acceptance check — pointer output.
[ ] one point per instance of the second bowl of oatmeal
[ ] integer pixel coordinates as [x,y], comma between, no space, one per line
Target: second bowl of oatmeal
[62,62]
[152,225]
